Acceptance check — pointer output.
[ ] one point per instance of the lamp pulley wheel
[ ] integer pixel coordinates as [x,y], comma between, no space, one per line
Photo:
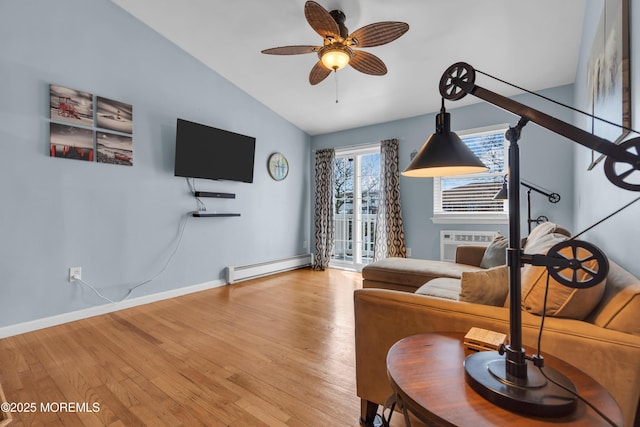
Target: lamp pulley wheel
[460,70]
[541,219]
[583,264]
[623,174]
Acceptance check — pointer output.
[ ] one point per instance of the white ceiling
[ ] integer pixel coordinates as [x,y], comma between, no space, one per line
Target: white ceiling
[533,44]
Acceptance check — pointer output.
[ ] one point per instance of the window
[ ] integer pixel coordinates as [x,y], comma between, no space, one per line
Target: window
[469,198]
[355,195]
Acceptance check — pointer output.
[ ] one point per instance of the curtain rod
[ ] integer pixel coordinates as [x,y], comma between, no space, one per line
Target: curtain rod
[355,146]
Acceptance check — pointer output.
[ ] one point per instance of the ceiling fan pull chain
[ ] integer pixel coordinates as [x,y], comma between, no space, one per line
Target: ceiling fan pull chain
[335,73]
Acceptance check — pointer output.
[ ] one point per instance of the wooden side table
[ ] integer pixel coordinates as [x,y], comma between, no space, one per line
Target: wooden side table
[427,373]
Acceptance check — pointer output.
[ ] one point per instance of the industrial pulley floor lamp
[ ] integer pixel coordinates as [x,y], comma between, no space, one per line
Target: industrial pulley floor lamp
[505,377]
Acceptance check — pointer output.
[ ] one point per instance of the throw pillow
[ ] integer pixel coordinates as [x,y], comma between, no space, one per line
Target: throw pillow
[542,230]
[496,252]
[487,287]
[562,301]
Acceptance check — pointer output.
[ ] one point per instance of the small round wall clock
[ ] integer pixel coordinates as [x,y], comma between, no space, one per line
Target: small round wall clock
[278,166]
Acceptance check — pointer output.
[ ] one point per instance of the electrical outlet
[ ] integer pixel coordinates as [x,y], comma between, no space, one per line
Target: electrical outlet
[75,273]
[408,252]
[304,244]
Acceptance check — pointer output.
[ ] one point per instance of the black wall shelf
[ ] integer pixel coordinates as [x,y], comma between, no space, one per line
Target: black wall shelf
[216,195]
[202,214]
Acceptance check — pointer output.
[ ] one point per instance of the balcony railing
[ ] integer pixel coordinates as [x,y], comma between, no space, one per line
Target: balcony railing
[346,249]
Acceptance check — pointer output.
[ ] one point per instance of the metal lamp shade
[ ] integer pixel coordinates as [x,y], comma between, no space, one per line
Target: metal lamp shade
[503,194]
[443,154]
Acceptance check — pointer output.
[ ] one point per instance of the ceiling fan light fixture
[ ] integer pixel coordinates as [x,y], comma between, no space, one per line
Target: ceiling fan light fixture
[338,46]
[335,57]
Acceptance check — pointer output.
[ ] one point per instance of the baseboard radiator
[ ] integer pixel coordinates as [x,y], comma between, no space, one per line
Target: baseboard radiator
[244,272]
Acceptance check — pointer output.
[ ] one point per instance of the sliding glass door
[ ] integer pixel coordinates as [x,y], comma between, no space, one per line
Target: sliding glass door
[356,196]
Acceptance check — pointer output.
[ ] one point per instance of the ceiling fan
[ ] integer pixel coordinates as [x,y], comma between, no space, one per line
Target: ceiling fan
[338,47]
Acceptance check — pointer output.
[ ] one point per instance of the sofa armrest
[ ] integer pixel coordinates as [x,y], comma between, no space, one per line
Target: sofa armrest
[383,317]
[470,254]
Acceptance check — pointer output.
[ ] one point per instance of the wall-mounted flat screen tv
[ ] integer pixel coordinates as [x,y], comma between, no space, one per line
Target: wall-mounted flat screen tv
[207,152]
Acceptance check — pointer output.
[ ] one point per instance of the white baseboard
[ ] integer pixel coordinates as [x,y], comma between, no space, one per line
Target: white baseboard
[34,325]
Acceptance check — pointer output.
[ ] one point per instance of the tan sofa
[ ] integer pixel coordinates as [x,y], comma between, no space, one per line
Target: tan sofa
[605,345]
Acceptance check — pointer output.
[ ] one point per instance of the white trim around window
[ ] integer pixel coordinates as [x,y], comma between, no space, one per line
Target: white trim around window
[453,207]
[460,218]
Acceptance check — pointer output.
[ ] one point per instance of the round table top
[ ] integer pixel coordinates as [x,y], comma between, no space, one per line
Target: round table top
[427,372]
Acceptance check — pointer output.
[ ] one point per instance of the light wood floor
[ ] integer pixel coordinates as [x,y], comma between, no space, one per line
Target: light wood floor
[275,351]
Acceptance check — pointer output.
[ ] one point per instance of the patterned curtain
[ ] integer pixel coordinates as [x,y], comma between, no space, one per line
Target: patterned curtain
[324,208]
[389,226]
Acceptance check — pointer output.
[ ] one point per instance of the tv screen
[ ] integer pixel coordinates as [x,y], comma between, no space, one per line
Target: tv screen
[206,152]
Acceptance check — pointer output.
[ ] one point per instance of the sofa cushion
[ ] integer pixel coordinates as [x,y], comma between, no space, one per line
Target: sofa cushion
[442,287]
[487,287]
[562,301]
[496,253]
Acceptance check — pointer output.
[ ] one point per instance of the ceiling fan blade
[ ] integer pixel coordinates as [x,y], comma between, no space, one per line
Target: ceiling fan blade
[318,73]
[321,20]
[378,33]
[368,63]
[291,50]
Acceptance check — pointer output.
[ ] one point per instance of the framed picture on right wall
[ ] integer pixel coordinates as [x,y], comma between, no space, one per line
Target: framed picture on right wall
[608,75]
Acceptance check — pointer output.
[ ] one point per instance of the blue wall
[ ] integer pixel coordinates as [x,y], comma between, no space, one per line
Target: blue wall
[595,196]
[546,160]
[120,224]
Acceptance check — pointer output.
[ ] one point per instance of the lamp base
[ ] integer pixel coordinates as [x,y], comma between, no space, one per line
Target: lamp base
[485,373]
